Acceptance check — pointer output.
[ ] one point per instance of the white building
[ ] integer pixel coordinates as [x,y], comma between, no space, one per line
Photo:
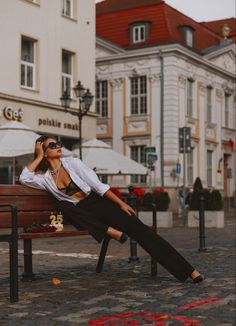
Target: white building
[198,76]
[46,47]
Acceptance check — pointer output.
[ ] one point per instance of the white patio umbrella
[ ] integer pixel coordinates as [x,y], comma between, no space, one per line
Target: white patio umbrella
[104,160]
[17,139]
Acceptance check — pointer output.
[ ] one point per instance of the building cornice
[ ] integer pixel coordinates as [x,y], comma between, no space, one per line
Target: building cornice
[166,51]
[108,45]
[46,105]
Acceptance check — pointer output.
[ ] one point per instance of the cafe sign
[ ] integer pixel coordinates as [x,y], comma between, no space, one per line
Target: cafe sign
[10,114]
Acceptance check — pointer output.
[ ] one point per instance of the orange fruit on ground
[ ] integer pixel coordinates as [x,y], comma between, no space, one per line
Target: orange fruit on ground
[56,281]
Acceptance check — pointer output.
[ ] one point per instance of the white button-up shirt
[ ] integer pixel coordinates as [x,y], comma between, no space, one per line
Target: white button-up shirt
[84,177]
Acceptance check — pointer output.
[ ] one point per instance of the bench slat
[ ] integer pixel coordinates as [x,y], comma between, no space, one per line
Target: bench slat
[52,234]
[20,190]
[28,203]
[24,218]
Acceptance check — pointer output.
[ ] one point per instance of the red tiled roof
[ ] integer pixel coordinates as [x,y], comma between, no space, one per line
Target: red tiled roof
[164,28]
[115,5]
[216,25]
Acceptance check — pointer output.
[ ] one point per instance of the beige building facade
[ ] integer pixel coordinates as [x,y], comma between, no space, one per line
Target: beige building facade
[199,92]
[43,53]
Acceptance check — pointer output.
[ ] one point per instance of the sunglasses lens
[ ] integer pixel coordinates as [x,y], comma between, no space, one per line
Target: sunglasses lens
[54,145]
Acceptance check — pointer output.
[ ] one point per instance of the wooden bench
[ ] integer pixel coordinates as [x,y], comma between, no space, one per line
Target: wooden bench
[21,206]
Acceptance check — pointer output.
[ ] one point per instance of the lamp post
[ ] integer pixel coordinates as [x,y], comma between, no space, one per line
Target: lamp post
[85,100]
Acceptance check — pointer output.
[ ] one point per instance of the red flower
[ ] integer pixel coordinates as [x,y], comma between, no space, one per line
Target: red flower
[116,191]
[139,192]
[159,189]
[231,143]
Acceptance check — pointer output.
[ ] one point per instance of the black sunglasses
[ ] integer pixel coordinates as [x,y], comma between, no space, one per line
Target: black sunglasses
[53,145]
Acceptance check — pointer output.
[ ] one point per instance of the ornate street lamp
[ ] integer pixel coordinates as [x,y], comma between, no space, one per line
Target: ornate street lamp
[85,100]
[65,100]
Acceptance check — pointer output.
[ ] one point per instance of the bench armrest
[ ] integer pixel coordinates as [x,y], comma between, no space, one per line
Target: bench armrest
[14,222]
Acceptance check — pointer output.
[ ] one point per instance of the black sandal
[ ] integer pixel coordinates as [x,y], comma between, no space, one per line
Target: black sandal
[124,237]
[198,279]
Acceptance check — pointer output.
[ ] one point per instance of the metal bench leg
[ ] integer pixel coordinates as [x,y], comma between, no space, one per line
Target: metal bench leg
[28,269]
[154,225]
[102,254]
[13,255]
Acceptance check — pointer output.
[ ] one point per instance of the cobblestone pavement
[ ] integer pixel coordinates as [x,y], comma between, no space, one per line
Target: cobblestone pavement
[124,293]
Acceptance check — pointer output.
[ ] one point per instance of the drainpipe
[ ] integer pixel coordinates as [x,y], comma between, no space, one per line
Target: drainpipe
[161,117]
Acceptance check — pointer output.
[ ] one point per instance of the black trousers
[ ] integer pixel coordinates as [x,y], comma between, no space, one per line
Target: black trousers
[96,214]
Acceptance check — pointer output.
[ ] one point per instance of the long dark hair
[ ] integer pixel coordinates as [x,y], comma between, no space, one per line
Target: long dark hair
[43,165]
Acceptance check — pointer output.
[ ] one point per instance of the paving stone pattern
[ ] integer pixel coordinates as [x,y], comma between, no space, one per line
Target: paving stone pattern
[124,293]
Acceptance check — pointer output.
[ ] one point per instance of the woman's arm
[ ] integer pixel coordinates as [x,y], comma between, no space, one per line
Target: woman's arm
[110,195]
[39,156]
[28,176]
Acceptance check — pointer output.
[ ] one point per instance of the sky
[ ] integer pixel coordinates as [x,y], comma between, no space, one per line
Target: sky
[204,10]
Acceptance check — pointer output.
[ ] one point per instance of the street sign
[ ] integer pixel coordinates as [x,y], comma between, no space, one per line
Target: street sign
[150,149]
[185,140]
[178,168]
[151,157]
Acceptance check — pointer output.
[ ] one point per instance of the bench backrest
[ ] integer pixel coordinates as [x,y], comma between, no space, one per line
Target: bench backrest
[32,205]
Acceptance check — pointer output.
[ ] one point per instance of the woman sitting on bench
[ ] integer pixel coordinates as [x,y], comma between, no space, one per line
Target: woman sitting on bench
[88,203]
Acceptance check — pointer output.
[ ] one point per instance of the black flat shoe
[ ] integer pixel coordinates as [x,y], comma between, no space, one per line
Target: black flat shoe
[124,237]
[198,279]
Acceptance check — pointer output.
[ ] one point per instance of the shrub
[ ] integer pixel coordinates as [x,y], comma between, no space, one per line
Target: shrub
[147,199]
[162,200]
[213,200]
[207,197]
[197,184]
[194,200]
[216,201]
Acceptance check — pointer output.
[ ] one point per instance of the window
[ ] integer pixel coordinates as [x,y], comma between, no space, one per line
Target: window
[139,33]
[190,98]
[138,95]
[187,32]
[190,168]
[28,63]
[103,178]
[209,105]
[138,154]
[209,168]
[66,71]
[102,98]
[67,8]
[227,98]
[189,37]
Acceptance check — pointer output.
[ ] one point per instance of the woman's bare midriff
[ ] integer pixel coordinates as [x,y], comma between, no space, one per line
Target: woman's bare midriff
[80,195]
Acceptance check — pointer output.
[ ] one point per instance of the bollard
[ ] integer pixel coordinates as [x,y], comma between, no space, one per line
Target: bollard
[202,221]
[132,201]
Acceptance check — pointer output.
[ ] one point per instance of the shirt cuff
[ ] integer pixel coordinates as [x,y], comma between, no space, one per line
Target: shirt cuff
[103,189]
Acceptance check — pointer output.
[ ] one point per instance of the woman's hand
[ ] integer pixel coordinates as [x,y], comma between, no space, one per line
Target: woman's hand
[128,209]
[39,149]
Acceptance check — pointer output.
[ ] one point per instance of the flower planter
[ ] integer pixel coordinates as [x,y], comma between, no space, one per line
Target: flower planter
[213,219]
[164,219]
